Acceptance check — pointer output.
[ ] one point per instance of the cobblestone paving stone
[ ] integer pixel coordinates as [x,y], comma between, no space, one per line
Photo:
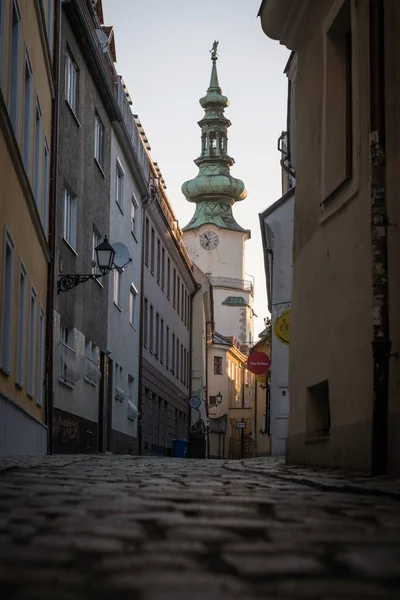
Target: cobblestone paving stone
[104,527]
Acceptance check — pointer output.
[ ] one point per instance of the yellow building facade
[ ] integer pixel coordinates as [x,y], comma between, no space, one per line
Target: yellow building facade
[26,101]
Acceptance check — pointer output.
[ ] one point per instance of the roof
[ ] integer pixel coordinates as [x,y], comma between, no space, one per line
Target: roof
[277,204]
[220,339]
[235,301]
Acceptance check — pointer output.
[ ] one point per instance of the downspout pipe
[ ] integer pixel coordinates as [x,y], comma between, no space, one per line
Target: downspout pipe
[145,203]
[52,227]
[381,343]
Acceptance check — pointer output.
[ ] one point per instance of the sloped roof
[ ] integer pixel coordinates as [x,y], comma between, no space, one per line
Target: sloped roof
[235,301]
[220,339]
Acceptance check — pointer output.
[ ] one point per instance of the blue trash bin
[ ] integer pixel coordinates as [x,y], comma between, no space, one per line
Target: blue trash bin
[180,448]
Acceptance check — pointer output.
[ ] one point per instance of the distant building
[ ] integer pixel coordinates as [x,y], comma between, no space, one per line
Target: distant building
[215,242]
[168,286]
[28,89]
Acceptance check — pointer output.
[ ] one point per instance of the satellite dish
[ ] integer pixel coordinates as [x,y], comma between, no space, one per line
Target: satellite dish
[103,40]
[122,256]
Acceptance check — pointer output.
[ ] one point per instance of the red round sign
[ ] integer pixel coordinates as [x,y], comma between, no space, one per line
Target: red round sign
[258,363]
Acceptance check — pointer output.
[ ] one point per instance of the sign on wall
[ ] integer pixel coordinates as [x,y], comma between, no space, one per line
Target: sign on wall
[282,327]
[258,363]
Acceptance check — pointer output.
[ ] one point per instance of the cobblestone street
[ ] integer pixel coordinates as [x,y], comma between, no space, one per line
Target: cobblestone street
[152,528]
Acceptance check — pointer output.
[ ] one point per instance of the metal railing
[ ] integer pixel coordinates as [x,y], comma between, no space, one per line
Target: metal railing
[230,282]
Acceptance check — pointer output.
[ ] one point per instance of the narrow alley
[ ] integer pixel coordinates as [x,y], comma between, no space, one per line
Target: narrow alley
[86,527]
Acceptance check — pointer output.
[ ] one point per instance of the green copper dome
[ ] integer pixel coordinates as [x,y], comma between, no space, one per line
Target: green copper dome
[214,190]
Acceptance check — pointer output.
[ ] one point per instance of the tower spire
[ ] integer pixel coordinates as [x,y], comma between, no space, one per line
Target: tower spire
[214,190]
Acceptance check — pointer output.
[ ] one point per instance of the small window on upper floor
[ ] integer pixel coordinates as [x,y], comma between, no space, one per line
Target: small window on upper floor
[217,365]
[71,82]
[134,207]
[99,141]
[119,185]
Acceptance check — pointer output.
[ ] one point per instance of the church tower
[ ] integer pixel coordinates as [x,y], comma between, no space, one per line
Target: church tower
[213,238]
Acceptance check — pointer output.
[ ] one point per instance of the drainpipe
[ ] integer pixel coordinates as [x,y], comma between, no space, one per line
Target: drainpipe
[145,203]
[52,229]
[192,295]
[381,344]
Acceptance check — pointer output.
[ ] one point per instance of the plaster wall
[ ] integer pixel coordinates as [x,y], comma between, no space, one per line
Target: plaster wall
[123,336]
[331,323]
[280,222]
[226,260]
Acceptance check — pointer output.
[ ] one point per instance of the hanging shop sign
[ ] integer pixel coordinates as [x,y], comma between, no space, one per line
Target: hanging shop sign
[258,363]
[282,327]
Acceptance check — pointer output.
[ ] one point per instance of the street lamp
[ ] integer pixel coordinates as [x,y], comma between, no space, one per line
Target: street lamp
[218,398]
[105,254]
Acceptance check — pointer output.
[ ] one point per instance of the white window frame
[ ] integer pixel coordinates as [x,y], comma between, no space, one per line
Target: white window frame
[71,81]
[27,113]
[14,68]
[134,208]
[132,305]
[45,186]
[70,216]
[7,304]
[67,339]
[37,154]
[96,240]
[40,372]
[30,376]
[119,185]
[117,287]
[21,326]
[98,141]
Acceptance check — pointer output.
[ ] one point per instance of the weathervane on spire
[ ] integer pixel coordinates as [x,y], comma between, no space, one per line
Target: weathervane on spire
[214,51]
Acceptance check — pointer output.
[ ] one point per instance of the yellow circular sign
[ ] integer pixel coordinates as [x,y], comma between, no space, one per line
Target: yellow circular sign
[282,327]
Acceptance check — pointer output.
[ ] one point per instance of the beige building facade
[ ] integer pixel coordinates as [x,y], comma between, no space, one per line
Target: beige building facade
[26,99]
[345,334]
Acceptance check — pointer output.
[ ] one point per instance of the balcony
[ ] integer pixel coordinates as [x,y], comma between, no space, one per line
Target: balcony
[231,283]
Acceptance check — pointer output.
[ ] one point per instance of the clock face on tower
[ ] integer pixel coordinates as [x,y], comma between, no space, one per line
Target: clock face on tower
[209,240]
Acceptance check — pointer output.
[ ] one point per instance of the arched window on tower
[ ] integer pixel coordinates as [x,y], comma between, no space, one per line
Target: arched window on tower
[213,141]
[222,143]
[204,142]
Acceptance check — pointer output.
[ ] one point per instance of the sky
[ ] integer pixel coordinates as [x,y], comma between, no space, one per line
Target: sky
[163,56]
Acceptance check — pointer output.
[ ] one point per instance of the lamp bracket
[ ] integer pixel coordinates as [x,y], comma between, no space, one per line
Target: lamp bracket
[67,282]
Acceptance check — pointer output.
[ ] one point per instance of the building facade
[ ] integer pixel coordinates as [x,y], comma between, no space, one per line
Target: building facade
[168,286]
[82,403]
[344,375]
[129,184]
[215,242]
[28,36]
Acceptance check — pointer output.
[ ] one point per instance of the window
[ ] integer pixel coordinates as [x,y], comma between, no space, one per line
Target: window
[163,268]
[151,347]
[119,185]
[338,123]
[92,372]
[98,141]
[167,348]
[177,358]
[68,370]
[168,278]
[71,82]
[37,153]
[174,290]
[45,187]
[132,305]
[185,367]
[162,341]
[182,302]
[188,311]
[217,365]
[70,219]
[26,123]
[157,335]
[117,286]
[152,250]
[173,354]
[212,401]
[158,261]
[318,414]
[13,101]
[146,243]
[134,207]
[182,373]
[146,322]
[32,344]
[178,294]
[185,309]
[7,304]
[49,23]
[21,327]
[40,374]
[95,242]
